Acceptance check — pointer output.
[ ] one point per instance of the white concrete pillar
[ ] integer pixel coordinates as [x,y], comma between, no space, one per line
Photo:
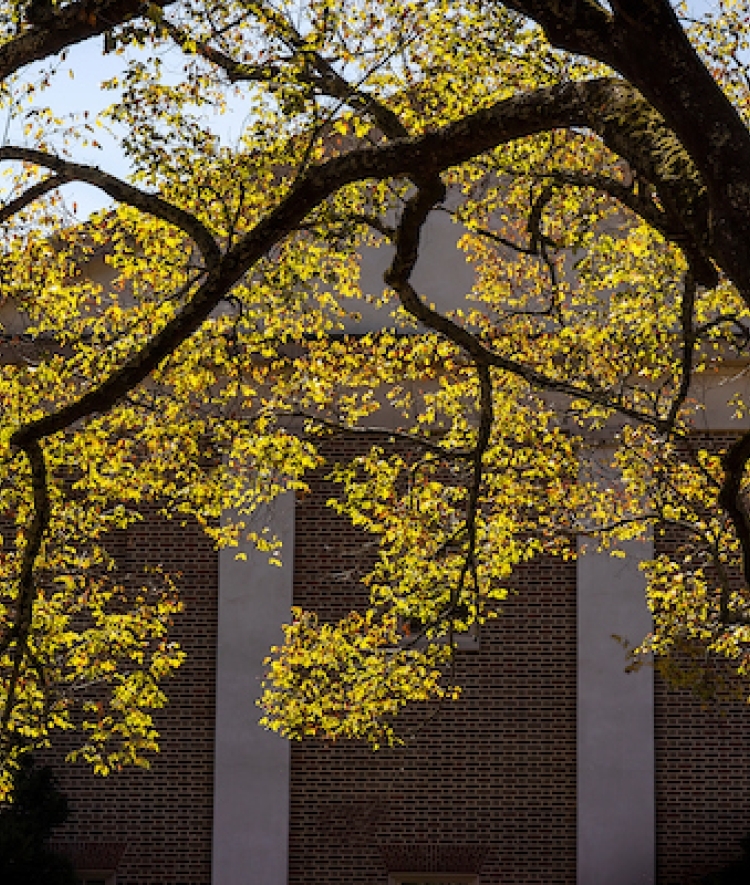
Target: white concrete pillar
[251,778]
[616,803]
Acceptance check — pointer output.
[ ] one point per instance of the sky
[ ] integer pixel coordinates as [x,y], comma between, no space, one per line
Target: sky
[76,95]
[83,93]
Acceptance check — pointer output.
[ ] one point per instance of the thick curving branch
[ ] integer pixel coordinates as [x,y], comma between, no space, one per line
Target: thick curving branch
[397,276]
[16,639]
[640,198]
[645,41]
[571,104]
[581,26]
[150,204]
[730,497]
[67,26]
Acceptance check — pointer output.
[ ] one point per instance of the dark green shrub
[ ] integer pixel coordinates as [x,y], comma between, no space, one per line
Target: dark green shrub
[737,873]
[25,827]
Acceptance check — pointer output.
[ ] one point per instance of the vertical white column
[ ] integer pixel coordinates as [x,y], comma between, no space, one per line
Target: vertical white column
[616,803]
[251,779]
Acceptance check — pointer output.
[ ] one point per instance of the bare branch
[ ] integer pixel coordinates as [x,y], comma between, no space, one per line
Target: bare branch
[28,196]
[320,74]
[412,438]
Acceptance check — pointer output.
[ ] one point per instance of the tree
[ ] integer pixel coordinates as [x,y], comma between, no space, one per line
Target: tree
[596,158]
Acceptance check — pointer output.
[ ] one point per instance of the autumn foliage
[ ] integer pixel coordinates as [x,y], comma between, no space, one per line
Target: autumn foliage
[595,159]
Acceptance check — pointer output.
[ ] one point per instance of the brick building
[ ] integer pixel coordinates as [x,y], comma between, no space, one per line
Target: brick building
[555,766]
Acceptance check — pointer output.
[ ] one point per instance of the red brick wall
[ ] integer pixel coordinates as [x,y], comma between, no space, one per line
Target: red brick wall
[702,784]
[487,785]
[162,816]
[702,776]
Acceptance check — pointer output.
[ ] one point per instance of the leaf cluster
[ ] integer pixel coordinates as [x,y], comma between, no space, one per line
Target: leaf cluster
[188,350]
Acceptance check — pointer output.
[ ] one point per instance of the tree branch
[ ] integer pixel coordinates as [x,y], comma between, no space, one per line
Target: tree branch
[123,192]
[570,104]
[321,75]
[411,438]
[688,346]
[641,202]
[646,43]
[28,196]
[18,635]
[580,26]
[67,26]
[730,497]
[397,276]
